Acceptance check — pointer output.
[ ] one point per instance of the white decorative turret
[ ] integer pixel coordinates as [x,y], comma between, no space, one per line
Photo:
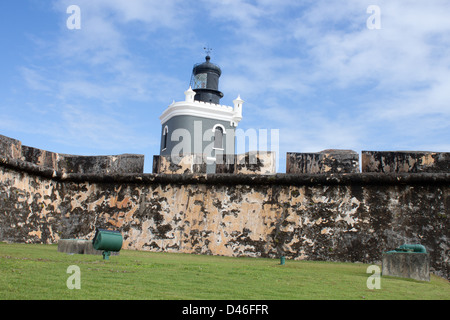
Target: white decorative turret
[237,110]
[190,94]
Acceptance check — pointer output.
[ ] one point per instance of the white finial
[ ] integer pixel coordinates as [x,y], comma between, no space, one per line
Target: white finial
[189,95]
[238,101]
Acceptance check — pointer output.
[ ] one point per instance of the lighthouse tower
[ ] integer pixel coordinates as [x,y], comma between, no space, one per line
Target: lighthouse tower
[200,124]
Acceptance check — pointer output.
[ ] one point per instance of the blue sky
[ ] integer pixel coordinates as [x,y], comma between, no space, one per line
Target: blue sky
[311,69]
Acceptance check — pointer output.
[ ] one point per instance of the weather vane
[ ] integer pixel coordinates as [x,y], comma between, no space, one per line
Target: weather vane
[207,50]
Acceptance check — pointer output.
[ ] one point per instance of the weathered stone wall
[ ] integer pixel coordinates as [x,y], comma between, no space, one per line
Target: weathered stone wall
[337,217]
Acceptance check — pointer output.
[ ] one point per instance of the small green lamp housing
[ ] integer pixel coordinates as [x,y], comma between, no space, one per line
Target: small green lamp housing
[108,241]
[410,248]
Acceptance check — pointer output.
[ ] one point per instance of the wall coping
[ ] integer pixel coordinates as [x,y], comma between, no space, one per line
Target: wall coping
[232,179]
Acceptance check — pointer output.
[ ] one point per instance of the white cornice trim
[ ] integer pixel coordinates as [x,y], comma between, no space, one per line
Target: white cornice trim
[200,109]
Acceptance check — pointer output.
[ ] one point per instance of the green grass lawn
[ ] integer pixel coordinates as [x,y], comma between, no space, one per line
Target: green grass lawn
[40,272]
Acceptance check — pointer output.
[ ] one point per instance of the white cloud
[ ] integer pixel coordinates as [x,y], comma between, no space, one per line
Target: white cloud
[35,80]
[98,130]
[311,69]
[397,74]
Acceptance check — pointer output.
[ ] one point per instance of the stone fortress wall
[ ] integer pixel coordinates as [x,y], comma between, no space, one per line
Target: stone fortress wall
[322,208]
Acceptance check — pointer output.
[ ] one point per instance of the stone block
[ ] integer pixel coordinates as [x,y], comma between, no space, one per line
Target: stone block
[226,163]
[256,162]
[406,265]
[125,163]
[10,148]
[405,161]
[40,157]
[326,161]
[186,164]
[156,164]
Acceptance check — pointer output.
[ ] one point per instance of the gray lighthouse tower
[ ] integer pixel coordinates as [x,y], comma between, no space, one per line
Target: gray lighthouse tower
[200,125]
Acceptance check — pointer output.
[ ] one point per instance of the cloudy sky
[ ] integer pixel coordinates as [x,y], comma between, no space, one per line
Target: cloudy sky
[322,73]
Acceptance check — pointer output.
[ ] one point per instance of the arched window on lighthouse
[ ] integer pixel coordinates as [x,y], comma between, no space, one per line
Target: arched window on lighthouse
[219,131]
[165,135]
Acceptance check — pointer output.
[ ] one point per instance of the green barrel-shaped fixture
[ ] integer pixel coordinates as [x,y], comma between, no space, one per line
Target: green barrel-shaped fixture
[412,248]
[108,241]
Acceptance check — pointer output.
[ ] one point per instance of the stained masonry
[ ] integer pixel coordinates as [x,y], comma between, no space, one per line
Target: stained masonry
[313,216]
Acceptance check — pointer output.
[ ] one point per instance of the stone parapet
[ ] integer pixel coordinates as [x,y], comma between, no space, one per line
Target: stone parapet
[67,163]
[327,161]
[260,163]
[405,161]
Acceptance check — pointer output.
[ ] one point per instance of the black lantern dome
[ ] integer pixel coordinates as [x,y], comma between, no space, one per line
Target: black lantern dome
[205,81]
